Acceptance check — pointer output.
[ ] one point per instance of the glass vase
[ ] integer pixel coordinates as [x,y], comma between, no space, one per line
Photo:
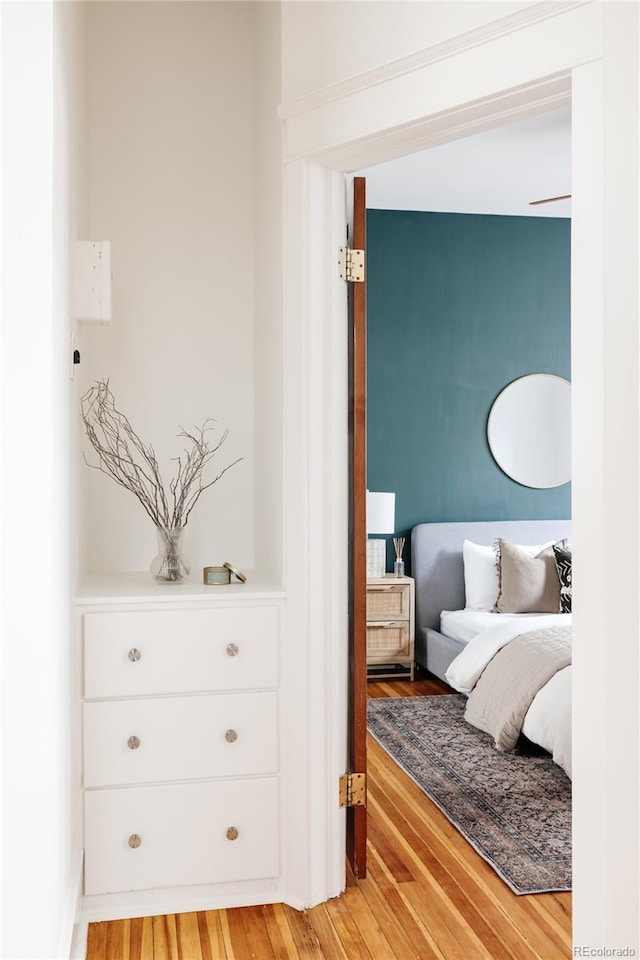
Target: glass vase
[169,565]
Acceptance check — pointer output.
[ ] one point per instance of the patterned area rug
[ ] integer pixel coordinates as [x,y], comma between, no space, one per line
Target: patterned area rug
[514,808]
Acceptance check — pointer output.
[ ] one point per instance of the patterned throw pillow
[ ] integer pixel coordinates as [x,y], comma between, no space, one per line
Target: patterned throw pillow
[563,565]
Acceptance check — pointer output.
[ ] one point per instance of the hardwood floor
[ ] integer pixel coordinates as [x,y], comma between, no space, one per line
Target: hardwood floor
[428,894]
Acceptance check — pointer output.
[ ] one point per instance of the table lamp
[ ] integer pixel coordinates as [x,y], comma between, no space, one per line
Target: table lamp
[381,508]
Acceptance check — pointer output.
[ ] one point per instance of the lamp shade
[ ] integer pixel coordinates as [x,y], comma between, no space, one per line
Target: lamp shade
[381,512]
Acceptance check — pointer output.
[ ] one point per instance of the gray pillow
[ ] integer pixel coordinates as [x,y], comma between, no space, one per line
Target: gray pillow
[526,584]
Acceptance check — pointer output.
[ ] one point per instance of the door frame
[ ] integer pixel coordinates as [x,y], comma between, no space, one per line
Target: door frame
[588,54]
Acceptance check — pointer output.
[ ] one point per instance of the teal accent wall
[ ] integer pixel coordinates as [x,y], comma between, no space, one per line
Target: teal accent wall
[458,306]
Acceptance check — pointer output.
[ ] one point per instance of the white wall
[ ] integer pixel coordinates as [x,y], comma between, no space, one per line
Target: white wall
[171,166]
[43,59]
[267,173]
[325,42]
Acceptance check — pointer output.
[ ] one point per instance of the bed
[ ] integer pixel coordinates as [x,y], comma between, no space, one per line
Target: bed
[473,650]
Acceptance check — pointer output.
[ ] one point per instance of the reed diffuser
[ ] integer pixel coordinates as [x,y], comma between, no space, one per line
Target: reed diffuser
[398,566]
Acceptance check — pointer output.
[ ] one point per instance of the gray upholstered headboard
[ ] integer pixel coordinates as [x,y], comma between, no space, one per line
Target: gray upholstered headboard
[436,558]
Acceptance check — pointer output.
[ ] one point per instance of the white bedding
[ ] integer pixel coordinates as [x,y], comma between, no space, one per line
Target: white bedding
[464,625]
[548,720]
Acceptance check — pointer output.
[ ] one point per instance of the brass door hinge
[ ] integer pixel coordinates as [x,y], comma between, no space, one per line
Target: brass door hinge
[351,264]
[353,790]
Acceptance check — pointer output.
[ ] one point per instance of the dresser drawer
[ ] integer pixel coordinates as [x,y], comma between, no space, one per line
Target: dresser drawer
[388,601]
[182,834]
[388,639]
[179,738]
[180,651]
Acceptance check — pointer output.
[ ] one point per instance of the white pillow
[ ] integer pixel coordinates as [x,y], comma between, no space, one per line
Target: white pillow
[481,583]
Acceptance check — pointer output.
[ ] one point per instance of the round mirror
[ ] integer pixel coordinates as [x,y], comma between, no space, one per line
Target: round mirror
[529,430]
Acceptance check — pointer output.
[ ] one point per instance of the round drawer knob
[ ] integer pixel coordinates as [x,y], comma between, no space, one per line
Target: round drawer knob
[134,841]
[134,655]
[232,833]
[133,743]
[231,736]
[232,649]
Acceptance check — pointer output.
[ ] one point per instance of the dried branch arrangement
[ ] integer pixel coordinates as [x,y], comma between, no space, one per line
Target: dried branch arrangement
[133,464]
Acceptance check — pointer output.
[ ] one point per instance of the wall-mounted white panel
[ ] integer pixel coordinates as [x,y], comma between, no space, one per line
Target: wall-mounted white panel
[93,281]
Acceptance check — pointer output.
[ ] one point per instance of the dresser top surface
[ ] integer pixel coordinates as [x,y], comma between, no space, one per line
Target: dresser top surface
[132,587]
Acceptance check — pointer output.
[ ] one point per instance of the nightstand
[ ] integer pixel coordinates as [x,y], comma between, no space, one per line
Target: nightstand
[390,627]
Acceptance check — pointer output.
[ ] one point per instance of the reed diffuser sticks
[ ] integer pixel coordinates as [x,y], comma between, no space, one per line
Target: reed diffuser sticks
[398,543]
[398,567]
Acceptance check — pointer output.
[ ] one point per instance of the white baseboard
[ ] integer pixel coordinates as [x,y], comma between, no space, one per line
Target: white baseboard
[79,941]
[68,928]
[149,903]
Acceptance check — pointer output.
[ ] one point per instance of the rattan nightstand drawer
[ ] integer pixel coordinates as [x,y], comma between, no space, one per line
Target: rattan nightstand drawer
[390,626]
[388,640]
[388,601]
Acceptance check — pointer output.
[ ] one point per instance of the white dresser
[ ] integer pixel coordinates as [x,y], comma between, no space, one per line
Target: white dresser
[180,743]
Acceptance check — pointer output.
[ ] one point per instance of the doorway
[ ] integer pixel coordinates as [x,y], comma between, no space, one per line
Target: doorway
[468,287]
[444,336]
[319,155]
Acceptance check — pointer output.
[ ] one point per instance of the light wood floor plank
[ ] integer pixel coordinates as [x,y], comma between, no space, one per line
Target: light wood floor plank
[279,934]
[205,941]
[304,936]
[126,940]
[451,931]
[555,913]
[165,944]
[341,915]
[97,940]
[211,939]
[188,937]
[229,953]
[247,927]
[282,942]
[368,923]
[388,849]
[135,938]
[115,940]
[414,852]
[397,894]
[398,924]
[428,896]
[146,944]
[543,936]
[328,938]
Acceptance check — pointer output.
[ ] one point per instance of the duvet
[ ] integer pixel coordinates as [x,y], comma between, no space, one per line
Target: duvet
[518,679]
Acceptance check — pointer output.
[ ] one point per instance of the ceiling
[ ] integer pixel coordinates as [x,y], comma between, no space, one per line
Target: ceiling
[498,171]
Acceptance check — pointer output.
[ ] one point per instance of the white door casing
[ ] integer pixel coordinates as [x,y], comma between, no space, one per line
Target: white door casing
[587,52]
